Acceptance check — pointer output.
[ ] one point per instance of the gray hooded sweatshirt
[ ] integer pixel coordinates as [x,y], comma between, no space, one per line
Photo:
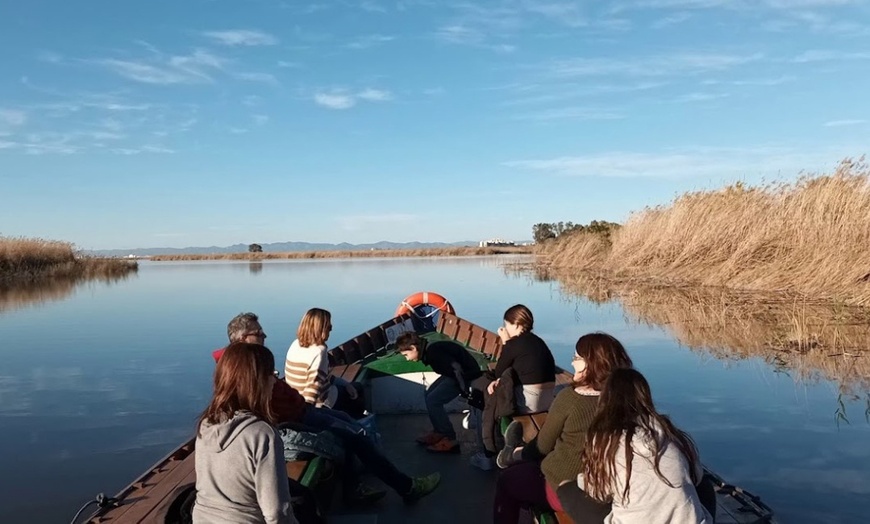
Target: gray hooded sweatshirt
[240,473]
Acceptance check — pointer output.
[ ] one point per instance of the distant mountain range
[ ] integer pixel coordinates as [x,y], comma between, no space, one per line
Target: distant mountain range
[276,247]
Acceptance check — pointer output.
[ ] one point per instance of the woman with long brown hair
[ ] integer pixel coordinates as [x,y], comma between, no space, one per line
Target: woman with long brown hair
[636,459]
[537,473]
[240,472]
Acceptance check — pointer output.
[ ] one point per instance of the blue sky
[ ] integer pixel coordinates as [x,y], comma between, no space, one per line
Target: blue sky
[201,122]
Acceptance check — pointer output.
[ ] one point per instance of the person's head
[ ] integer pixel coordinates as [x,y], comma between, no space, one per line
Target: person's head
[243,380]
[314,327]
[518,319]
[625,408]
[410,345]
[596,356]
[245,327]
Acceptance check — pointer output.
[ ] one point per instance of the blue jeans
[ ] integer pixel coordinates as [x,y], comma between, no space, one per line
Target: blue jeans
[439,393]
[323,418]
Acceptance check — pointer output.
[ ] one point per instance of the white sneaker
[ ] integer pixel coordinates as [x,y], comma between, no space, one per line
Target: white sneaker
[469,421]
[481,461]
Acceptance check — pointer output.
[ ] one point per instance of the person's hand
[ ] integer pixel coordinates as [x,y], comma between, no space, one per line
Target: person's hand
[491,387]
[503,334]
[351,391]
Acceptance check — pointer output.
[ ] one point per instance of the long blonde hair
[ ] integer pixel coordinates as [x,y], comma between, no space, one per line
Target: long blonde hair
[314,328]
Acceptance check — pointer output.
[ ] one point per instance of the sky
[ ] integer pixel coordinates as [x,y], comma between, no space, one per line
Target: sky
[211,122]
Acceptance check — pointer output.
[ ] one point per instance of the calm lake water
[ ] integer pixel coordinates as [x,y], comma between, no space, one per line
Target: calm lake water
[99,384]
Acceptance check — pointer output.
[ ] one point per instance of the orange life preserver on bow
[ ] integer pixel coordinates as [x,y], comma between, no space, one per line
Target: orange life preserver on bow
[424,297]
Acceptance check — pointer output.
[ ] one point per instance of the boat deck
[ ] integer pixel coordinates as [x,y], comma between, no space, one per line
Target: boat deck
[464,496]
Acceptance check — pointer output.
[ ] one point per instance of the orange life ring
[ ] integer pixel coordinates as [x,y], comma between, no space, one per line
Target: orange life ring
[424,297]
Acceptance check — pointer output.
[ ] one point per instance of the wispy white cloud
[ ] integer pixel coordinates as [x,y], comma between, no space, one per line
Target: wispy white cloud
[723,162]
[197,67]
[13,117]
[345,99]
[241,37]
[661,65]
[827,55]
[670,20]
[260,119]
[375,95]
[765,82]
[265,78]
[49,57]
[288,65]
[847,122]
[141,150]
[368,41]
[700,97]
[335,100]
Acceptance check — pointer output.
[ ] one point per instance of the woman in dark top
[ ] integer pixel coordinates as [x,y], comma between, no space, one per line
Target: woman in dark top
[530,359]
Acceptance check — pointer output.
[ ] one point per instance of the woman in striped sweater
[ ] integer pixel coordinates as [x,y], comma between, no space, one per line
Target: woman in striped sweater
[306,368]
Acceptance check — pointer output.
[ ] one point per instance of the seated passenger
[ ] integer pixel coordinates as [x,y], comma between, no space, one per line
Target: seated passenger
[240,473]
[459,371]
[656,485]
[289,407]
[306,368]
[530,359]
[536,473]
[532,378]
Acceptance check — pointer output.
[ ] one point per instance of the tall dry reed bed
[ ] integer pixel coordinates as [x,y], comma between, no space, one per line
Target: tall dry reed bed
[24,260]
[809,238]
[375,253]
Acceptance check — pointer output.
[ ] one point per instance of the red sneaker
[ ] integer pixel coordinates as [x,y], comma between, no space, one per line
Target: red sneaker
[445,445]
[430,438]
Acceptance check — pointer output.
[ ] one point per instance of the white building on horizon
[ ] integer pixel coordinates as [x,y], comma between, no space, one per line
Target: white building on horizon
[496,242]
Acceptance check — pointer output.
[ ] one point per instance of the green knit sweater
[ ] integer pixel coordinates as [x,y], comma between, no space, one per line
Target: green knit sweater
[564,434]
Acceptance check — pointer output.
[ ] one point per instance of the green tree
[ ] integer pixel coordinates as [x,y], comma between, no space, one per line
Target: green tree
[255,248]
[542,232]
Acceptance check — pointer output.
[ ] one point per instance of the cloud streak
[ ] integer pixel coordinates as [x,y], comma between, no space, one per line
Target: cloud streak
[197,67]
[13,117]
[687,163]
[241,37]
[340,99]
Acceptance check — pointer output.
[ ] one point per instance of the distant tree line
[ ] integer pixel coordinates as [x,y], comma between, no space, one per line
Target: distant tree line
[549,230]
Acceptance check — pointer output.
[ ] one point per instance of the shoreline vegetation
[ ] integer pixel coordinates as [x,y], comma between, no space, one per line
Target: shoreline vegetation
[24,261]
[779,271]
[807,239]
[374,253]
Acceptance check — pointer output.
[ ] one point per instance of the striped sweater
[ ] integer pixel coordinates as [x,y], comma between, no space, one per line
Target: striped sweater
[306,370]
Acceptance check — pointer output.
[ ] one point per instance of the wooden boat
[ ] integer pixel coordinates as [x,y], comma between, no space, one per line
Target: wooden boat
[394,392]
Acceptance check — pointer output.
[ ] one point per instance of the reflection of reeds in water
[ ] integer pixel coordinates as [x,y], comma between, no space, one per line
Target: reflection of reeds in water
[21,293]
[807,340]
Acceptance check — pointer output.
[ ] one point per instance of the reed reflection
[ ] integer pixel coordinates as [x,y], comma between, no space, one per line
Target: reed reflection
[19,294]
[808,340]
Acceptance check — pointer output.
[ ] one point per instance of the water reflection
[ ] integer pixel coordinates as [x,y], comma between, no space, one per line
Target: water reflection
[255,268]
[809,341]
[17,294]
